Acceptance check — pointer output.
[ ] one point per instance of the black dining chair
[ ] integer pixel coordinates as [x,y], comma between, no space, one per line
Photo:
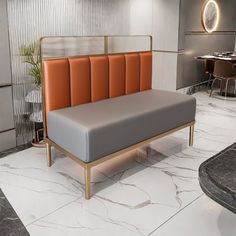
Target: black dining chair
[209,70]
[223,71]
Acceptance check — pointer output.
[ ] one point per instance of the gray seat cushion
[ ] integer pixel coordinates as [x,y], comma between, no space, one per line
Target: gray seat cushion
[94,130]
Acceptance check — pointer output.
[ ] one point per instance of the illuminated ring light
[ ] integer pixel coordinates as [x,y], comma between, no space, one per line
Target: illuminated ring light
[212,6]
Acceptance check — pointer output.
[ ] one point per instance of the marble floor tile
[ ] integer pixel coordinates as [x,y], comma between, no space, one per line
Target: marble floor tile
[132,195]
[33,189]
[202,217]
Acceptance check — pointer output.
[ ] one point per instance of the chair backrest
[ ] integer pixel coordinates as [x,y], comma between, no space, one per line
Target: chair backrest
[223,69]
[209,66]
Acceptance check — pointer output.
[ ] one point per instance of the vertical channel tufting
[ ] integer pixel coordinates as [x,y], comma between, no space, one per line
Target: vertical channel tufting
[145,71]
[132,62]
[80,80]
[56,84]
[116,75]
[99,78]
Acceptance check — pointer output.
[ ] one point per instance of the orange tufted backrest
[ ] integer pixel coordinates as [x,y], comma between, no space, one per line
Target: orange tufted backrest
[132,73]
[116,75]
[74,81]
[80,82]
[145,71]
[99,78]
[56,84]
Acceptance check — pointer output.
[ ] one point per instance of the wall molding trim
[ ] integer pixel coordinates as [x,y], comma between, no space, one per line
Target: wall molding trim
[5,85]
[4,131]
[167,51]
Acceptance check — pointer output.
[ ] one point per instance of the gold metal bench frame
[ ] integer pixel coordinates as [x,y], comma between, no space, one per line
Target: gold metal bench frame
[88,166]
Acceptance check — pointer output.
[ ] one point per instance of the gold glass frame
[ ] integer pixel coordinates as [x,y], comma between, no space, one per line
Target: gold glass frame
[88,166]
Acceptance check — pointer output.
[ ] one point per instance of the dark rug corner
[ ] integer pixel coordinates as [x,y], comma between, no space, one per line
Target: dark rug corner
[217,177]
[15,150]
[10,223]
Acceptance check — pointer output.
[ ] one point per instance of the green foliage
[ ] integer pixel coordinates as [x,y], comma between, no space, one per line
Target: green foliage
[31,56]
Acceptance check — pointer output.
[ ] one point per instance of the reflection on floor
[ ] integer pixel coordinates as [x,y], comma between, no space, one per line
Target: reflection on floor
[133,195]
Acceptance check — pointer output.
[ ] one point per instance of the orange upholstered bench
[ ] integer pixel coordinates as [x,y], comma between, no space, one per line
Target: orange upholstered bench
[98,107]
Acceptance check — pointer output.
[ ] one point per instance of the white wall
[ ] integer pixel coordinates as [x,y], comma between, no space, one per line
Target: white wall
[165,43]
[164,70]
[29,20]
[166,24]
[141,17]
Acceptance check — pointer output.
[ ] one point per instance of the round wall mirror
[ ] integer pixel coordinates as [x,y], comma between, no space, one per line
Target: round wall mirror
[210,16]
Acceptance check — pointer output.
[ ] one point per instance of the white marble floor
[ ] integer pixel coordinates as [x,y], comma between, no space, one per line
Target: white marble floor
[133,195]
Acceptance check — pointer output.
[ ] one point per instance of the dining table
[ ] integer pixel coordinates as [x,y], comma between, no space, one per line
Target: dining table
[227,56]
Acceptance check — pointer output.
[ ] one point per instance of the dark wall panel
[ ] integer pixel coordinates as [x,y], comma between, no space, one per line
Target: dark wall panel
[7,131]
[5,75]
[190,70]
[194,41]
[191,13]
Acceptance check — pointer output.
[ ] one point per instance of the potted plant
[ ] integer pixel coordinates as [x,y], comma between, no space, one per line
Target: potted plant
[31,56]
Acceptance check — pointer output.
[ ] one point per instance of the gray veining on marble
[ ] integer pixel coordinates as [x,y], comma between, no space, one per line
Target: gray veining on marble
[133,194]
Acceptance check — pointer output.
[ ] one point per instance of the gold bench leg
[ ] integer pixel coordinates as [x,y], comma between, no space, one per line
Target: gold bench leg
[87,179]
[191,134]
[49,155]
